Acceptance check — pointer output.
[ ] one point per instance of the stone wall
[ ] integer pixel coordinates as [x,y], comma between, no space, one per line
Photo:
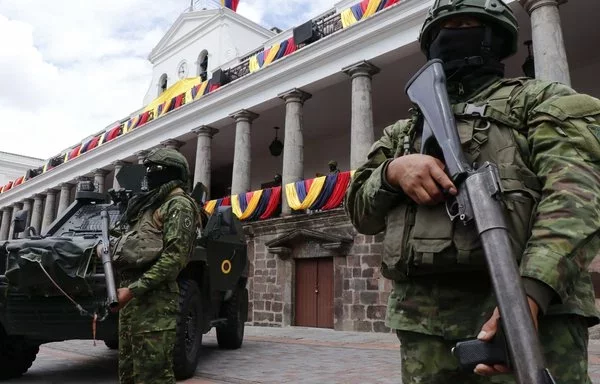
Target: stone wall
[365,291]
[360,292]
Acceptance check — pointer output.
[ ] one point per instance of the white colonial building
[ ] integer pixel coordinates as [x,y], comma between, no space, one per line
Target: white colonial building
[221,87]
[13,166]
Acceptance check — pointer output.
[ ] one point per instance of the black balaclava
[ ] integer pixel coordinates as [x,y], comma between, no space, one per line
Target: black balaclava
[471,55]
[160,175]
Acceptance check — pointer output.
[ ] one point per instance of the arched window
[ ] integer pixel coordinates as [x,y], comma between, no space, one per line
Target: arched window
[203,65]
[162,83]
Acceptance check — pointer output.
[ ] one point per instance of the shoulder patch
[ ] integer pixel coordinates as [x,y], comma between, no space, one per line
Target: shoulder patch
[181,213]
[187,221]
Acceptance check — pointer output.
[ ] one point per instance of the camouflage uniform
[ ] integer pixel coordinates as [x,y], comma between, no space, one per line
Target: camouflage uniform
[147,323]
[545,139]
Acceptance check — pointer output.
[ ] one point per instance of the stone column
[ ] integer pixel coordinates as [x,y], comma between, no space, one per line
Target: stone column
[65,197]
[118,166]
[16,208]
[293,143]
[27,206]
[240,182]
[5,226]
[204,155]
[548,45]
[36,212]
[362,134]
[99,176]
[49,209]
[141,155]
[172,143]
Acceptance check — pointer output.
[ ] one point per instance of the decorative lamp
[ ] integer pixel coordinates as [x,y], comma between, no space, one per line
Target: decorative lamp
[529,64]
[276,146]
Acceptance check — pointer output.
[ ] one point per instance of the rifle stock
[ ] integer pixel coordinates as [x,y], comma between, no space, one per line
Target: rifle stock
[479,199]
[111,290]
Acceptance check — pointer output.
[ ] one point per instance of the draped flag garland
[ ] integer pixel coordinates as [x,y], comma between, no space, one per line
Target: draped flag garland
[364,9]
[244,205]
[7,186]
[321,193]
[271,54]
[302,194]
[19,181]
[211,205]
[231,4]
[178,94]
[250,206]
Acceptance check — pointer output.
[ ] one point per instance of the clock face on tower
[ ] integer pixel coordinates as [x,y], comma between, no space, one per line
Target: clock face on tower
[182,70]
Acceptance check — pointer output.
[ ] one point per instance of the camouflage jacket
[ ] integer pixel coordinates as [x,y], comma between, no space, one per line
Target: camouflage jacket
[176,219]
[559,135]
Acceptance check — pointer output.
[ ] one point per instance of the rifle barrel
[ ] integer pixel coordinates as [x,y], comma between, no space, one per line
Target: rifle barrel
[111,289]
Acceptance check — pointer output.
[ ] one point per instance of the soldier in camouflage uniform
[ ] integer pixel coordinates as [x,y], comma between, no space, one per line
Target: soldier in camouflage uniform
[149,257]
[545,139]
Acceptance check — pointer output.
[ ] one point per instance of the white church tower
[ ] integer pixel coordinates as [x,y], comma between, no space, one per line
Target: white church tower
[199,42]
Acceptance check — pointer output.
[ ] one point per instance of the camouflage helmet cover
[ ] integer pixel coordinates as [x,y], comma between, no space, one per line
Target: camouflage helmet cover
[170,158]
[494,13]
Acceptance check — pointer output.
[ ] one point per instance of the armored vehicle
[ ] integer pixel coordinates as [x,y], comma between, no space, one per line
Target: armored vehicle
[53,287]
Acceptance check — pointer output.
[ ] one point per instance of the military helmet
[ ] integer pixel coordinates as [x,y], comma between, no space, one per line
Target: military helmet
[494,13]
[170,158]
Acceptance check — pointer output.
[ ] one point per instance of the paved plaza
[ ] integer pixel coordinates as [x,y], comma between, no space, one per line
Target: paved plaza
[269,355]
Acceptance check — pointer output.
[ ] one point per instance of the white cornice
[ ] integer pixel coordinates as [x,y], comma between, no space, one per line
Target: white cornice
[384,32]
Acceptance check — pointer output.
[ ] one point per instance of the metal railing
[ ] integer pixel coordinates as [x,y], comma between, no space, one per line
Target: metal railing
[328,24]
[249,55]
[325,25]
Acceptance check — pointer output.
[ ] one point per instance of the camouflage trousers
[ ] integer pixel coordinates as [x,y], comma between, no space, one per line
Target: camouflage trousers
[147,339]
[427,359]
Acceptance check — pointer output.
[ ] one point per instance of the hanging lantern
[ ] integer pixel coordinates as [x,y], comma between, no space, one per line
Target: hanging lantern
[276,146]
[529,64]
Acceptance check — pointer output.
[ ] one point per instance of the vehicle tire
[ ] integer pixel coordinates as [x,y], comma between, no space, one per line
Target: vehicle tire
[16,356]
[188,339]
[112,344]
[231,334]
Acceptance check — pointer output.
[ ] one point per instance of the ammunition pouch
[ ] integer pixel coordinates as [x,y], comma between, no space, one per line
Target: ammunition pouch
[140,247]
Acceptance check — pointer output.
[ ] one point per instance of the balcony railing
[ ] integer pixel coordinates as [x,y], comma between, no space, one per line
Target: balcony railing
[328,24]
[319,194]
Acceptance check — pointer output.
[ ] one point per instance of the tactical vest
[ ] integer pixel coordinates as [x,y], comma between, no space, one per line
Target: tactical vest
[138,248]
[421,240]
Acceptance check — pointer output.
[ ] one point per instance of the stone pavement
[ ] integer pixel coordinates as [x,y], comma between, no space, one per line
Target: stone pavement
[269,355]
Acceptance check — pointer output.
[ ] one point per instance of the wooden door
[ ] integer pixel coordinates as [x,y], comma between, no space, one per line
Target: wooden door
[314,292]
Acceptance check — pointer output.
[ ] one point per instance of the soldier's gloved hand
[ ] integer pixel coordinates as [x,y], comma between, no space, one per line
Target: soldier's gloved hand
[421,177]
[124,296]
[489,330]
[99,250]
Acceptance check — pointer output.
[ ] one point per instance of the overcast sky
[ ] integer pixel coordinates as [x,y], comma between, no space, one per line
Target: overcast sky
[69,68]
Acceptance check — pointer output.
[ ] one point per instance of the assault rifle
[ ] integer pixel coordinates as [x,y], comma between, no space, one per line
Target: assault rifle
[111,289]
[479,199]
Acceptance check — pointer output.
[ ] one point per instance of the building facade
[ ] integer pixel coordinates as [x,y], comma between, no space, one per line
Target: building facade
[319,92]
[13,166]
